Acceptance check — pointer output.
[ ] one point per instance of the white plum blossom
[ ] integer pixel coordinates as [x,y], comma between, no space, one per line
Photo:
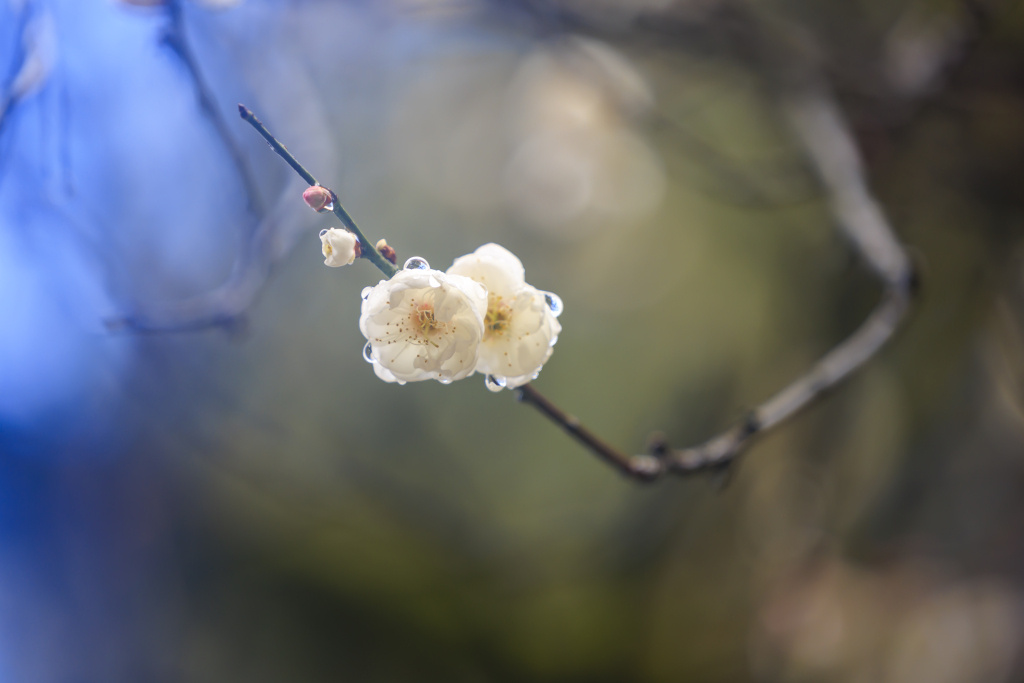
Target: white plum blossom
[423,324]
[339,247]
[520,324]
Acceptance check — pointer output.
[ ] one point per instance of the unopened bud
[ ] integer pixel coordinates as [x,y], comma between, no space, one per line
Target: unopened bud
[387,251]
[339,247]
[318,198]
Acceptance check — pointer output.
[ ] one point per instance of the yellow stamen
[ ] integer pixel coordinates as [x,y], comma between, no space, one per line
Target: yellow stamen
[498,318]
[423,321]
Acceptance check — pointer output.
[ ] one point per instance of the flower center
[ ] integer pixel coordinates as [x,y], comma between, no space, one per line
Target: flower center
[422,320]
[498,318]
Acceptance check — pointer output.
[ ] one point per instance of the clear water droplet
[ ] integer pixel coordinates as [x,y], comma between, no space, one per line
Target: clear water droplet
[416,263]
[365,294]
[323,232]
[554,340]
[554,303]
[329,206]
[368,353]
[494,383]
[444,380]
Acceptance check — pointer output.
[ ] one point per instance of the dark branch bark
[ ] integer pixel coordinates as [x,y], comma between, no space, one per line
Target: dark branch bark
[831,152]
[642,467]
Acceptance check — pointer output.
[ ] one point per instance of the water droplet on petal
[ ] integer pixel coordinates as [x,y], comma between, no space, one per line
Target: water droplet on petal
[554,303]
[444,380]
[365,294]
[494,383]
[416,263]
[329,206]
[323,232]
[554,340]
[368,353]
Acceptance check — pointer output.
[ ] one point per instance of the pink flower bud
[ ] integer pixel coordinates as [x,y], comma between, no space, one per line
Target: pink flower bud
[318,198]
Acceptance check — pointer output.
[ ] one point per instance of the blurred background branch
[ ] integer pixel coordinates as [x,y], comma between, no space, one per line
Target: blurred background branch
[831,151]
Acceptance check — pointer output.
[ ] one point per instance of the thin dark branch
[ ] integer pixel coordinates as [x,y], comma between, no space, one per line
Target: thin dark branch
[281,150]
[369,251]
[642,467]
[225,306]
[832,154]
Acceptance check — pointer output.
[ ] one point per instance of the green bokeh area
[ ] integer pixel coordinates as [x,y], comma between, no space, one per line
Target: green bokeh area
[272,511]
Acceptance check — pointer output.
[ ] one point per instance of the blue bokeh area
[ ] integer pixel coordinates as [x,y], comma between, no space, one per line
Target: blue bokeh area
[115,198]
[114,201]
[58,368]
[95,217]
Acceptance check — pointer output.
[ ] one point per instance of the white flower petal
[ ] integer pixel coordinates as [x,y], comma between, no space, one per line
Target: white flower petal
[385,374]
[493,266]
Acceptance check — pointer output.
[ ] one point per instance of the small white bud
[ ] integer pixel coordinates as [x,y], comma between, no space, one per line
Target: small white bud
[387,251]
[340,247]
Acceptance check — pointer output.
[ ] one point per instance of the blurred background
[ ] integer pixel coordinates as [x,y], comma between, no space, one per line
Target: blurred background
[201,480]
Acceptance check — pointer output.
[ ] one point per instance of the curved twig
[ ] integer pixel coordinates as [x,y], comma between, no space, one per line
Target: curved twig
[829,146]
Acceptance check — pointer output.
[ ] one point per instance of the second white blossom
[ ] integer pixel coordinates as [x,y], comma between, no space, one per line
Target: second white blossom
[520,323]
